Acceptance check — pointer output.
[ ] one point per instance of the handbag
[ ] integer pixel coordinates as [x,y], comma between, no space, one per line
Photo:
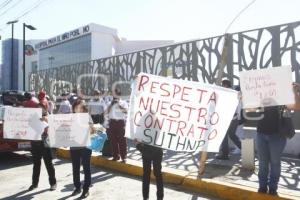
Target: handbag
[286,126]
[97,141]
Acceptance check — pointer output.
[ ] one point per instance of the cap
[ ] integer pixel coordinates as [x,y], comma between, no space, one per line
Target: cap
[41,95]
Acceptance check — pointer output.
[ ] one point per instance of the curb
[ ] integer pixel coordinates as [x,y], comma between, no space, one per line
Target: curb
[210,187]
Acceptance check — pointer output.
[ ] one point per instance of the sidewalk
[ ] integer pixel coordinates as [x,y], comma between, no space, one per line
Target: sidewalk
[222,179]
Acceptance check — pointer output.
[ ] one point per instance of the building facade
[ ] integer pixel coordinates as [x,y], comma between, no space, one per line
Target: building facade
[86,43]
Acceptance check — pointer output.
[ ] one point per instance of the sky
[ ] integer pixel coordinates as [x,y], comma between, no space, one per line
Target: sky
[178,20]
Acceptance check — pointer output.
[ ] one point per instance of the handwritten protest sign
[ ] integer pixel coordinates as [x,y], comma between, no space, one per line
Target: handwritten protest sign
[267,87]
[23,123]
[69,130]
[179,115]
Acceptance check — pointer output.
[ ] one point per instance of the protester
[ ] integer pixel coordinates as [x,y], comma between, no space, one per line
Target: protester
[96,108]
[107,98]
[224,150]
[151,154]
[30,101]
[116,113]
[39,150]
[240,116]
[73,96]
[65,106]
[42,99]
[81,155]
[270,146]
[50,105]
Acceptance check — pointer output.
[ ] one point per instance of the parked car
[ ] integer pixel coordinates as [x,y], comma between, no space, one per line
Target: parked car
[7,99]
[12,97]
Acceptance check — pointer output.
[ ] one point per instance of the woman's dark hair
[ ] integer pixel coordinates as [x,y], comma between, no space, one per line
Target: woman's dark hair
[78,102]
[118,91]
[226,83]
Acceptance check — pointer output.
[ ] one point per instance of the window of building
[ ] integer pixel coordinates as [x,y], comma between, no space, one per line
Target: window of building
[34,66]
[69,52]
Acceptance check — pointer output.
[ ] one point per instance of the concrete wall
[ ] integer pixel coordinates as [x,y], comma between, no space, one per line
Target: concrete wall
[102,45]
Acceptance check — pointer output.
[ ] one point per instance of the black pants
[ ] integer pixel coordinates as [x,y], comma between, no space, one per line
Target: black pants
[38,152]
[147,160]
[82,155]
[231,134]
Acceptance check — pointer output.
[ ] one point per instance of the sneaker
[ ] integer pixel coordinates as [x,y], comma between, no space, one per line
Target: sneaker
[85,194]
[53,187]
[115,159]
[76,191]
[32,187]
[236,151]
[222,157]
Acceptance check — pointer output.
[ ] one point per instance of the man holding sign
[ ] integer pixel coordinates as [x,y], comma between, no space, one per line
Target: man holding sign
[39,150]
[270,89]
[177,115]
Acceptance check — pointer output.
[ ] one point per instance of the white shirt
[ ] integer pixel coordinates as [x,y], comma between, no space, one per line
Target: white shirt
[65,107]
[97,106]
[116,112]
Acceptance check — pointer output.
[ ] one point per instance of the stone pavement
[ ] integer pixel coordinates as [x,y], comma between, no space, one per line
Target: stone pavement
[222,178]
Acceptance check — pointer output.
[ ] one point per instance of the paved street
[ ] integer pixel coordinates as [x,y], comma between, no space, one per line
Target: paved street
[15,178]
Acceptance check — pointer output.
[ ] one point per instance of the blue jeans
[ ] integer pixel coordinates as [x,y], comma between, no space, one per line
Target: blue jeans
[224,150]
[269,150]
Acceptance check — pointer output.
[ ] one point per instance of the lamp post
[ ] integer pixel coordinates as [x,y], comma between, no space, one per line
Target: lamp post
[12,50]
[30,28]
[51,58]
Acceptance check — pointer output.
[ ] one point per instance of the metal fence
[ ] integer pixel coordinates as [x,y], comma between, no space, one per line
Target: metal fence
[197,60]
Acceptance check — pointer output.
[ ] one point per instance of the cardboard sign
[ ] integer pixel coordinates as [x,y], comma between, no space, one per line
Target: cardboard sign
[267,87]
[69,130]
[179,115]
[23,123]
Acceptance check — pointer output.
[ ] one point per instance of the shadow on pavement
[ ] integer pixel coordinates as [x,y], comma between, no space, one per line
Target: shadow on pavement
[10,159]
[25,197]
[227,170]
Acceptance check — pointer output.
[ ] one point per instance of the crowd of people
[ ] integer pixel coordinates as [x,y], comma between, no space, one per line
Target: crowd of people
[111,111]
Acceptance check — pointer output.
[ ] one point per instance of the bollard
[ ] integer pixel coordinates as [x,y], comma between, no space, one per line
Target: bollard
[248,154]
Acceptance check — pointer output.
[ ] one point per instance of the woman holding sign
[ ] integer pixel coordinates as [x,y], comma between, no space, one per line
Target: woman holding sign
[270,146]
[81,155]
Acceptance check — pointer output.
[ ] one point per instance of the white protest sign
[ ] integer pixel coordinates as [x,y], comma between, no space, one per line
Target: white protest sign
[267,87]
[23,123]
[69,130]
[179,115]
